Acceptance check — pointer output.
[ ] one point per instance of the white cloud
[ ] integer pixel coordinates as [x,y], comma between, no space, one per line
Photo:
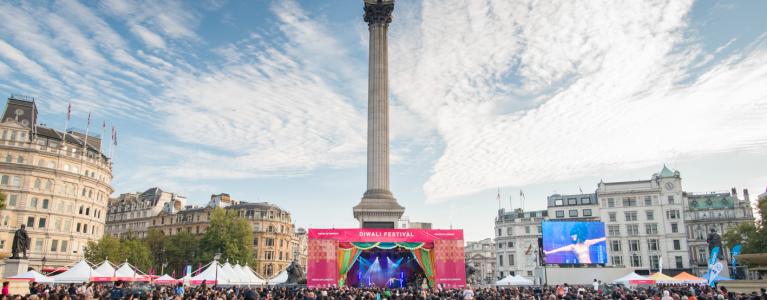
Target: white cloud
[524,93]
[150,38]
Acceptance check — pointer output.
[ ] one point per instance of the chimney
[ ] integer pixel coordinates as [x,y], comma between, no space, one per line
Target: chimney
[734,193]
[745,195]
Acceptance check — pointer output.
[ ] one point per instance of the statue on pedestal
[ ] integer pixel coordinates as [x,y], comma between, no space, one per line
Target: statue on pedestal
[714,240]
[20,243]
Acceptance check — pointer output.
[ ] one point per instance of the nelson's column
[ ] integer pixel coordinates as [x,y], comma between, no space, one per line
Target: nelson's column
[378,208]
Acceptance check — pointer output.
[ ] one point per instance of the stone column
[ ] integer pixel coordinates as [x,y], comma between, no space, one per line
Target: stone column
[378,207]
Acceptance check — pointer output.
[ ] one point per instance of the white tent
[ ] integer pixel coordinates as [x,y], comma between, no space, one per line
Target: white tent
[103,273]
[514,280]
[126,272]
[213,274]
[230,276]
[32,276]
[632,279]
[239,273]
[79,273]
[165,280]
[251,276]
[281,278]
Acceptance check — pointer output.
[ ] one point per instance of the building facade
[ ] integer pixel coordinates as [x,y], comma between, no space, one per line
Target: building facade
[481,256]
[644,222]
[130,214]
[516,239]
[274,236]
[301,247]
[579,207]
[719,211]
[58,190]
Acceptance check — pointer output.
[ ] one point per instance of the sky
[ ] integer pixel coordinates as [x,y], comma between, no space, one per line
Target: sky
[266,100]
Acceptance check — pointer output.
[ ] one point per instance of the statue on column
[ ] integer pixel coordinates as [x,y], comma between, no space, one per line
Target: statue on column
[714,240]
[20,243]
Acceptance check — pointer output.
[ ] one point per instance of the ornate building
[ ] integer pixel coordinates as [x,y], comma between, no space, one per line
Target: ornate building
[59,190]
[130,214]
[719,211]
[274,235]
[481,256]
[516,238]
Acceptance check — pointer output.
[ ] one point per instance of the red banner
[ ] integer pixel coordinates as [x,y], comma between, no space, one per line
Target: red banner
[322,269]
[449,263]
[385,235]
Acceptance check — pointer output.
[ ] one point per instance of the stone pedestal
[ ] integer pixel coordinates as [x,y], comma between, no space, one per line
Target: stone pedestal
[15,266]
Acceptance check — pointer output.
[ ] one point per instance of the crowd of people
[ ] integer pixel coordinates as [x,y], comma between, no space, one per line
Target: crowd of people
[120,290]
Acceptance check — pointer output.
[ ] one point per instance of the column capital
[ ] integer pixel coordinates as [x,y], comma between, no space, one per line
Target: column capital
[378,11]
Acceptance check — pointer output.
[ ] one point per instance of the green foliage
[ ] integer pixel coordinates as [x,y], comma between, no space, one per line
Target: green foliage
[180,250]
[752,236]
[2,201]
[230,235]
[118,251]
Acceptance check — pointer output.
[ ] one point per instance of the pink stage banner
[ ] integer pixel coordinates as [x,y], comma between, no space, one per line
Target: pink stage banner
[449,260]
[387,235]
[322,269]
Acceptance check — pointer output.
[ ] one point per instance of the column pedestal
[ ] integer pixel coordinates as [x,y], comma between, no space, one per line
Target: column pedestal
[14,266]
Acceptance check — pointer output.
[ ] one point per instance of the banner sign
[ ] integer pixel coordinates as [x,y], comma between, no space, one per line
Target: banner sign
[322,268]
[385,235]
[715,270]
[449,260]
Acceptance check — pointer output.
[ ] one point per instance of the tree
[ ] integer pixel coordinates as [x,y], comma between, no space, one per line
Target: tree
[108,247]
[228,234]
[752,236]
[180,250]
[137,253]
[2,200]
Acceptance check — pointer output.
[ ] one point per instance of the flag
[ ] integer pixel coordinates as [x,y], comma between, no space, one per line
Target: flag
[103,125]
[69,111]
[499,198]
[521,193]
[529,249]
[89,120]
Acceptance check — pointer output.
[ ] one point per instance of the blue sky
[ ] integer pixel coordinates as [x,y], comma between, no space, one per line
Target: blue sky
[266,100]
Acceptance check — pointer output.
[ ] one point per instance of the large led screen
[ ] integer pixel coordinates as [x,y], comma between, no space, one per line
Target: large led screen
[574,242]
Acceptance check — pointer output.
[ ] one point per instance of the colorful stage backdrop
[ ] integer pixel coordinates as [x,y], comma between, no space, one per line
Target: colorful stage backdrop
[332,252]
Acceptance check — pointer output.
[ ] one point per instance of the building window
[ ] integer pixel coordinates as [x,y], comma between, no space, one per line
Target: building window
[677,245]
[45,203]
[500,260]
[617,260]
[572,201]
[651,228]
[510,244]
[540,229]
[674,228]
[2,244]
[654,262]
[629,201]
[30,222]
[614,230]
[652,244]
[560,213]
[500,245]
[573,213]
[634,245]
[270,242]
[509,231]
[559,202]
[630,216]
[615,246]
[610,202]
[499,232]
[33,202]
[671,199]
[636,260]
[673,214]
[650,215]
[678,260]
[647,201]
[39,245]
[54,245]
[587,212]
[63,246]
[12,200]
[613,217]
[527,229]
[585,200]
[41,223]
[632,229]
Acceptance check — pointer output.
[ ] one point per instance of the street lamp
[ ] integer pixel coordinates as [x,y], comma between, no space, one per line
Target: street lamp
[215,261]
[42,268]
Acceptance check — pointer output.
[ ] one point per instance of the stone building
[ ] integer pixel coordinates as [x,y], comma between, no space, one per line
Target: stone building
[715,210]
[301,247]
[579,207]
[645,222]
[130,214]
[273,229]
[58,189]
[481,256]
[516,238]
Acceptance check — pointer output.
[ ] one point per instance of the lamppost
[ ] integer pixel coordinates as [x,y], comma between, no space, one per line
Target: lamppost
[215,261]
[42,268]
[163,260]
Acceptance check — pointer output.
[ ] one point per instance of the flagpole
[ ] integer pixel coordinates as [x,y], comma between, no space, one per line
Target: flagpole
[101,137]
[111,144]
[85,144]
[499,198]
[66,124]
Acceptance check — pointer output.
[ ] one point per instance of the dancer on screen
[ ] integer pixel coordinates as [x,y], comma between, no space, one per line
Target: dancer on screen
[580,244]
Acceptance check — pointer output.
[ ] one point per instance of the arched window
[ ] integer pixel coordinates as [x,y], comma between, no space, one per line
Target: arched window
[81,209]
[45,203]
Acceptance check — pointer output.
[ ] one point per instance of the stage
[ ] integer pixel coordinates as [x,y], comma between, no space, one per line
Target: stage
[385,258]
